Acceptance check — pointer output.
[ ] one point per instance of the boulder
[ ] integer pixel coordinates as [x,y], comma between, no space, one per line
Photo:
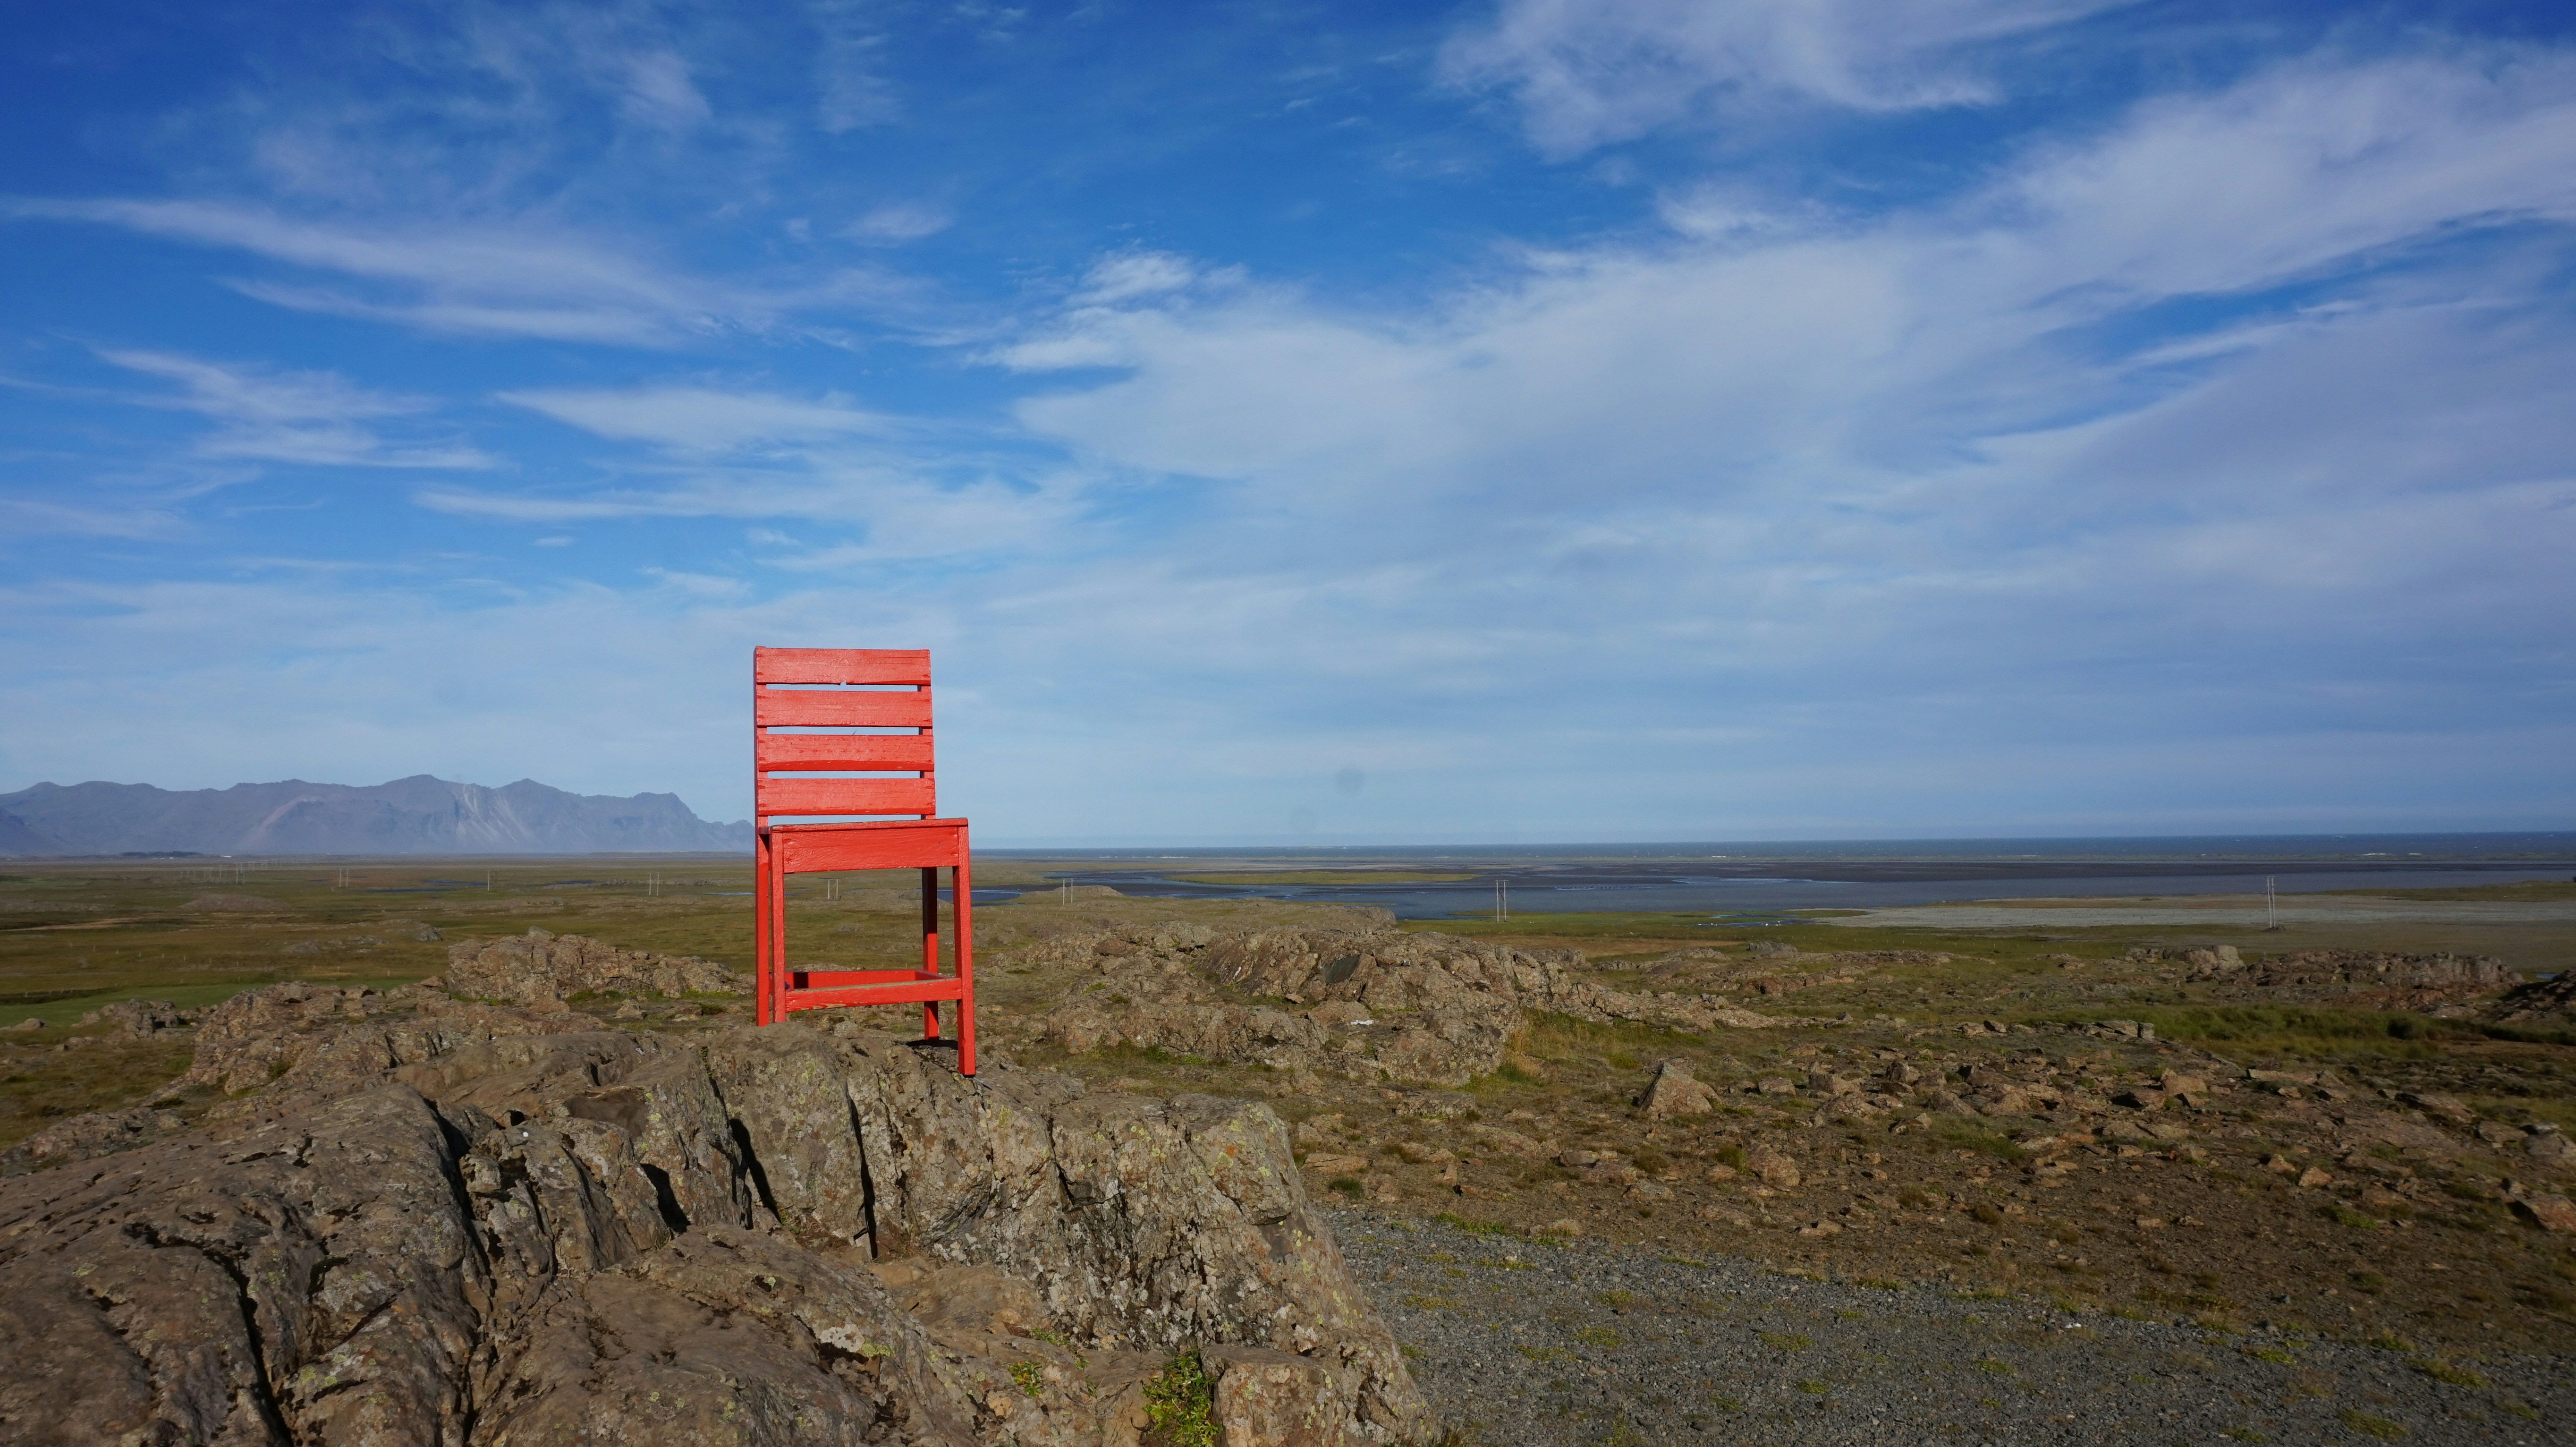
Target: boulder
[1773,1168]
[1266,1398]
[1674,1092]
[2448,1108]
[2550,1213]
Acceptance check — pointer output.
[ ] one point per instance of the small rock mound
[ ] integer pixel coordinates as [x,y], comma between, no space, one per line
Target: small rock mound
[539,968]
[139,1017]
[1371,1003]
[99,1133]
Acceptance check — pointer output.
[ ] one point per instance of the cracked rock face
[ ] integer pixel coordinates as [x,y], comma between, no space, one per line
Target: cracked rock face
[466,1225]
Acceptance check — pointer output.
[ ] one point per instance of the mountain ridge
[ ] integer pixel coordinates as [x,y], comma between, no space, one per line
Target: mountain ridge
[420,814]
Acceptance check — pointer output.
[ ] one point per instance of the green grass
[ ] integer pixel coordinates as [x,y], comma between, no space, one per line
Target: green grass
[2451,1372]
[2370,1426]
[40,1088]
[1180,1404]
[2309,1032]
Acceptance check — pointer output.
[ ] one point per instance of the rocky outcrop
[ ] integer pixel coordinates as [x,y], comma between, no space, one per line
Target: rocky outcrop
[2370,978]
[538,968]
[98,1133]
[450,1223]
[318,1038]
[1380,1004]
[138,1017]
[2552,1000]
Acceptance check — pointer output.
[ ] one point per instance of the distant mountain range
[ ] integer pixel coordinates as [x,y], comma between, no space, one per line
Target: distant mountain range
[418,815]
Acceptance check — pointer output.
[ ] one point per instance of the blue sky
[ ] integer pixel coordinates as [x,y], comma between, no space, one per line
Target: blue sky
[1504,422]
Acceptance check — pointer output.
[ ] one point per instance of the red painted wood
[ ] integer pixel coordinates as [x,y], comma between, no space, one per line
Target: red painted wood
[909,752]
[946,987]
[761,993]
[846,796]
[963,876]
[840,665]
[824,979]
[923,844]
[900,844]
[817,709]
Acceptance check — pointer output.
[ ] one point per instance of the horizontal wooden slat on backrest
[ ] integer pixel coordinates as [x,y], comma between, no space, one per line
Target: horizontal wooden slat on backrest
[845,796]
[840,665]
[789,708]
[841,751]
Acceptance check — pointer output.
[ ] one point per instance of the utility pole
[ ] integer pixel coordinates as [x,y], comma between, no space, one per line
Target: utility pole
[2271,912]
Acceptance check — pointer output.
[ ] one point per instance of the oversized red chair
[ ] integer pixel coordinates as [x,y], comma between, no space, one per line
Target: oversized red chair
[865,696]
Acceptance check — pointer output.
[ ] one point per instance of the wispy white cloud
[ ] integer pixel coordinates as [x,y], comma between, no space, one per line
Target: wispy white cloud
[857,513]
[900,222]
[1131,275]
[852,88]
[521,279]
[1587,72]
[659,93]
[271,415]
[134,522]
[700,419]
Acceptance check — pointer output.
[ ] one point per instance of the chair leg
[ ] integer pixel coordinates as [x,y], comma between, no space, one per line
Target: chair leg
[773,890]
[930,948]
[965,912]
[760,1001]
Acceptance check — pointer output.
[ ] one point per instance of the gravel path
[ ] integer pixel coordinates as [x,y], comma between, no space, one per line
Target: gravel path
[1523,1343]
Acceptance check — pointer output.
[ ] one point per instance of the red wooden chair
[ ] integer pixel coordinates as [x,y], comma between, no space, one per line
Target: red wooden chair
[880,690]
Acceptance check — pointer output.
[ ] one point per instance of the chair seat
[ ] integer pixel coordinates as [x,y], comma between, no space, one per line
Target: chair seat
[869,844]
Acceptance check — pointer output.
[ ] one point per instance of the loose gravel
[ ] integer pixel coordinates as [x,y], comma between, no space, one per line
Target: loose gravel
[1526,1342]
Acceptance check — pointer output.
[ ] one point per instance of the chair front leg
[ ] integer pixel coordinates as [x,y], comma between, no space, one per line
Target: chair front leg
[965,913]
[761,1012]
[774,893]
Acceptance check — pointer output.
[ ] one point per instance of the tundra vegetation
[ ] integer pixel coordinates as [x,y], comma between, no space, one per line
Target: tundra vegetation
[2344,1132]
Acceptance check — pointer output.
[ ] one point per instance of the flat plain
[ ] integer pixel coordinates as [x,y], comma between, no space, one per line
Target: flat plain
[2052,1117]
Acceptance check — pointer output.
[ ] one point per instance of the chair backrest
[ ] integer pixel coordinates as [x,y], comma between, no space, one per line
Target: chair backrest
[876,690]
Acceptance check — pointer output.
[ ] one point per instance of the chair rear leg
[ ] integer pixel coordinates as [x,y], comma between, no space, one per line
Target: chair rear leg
[930,948]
